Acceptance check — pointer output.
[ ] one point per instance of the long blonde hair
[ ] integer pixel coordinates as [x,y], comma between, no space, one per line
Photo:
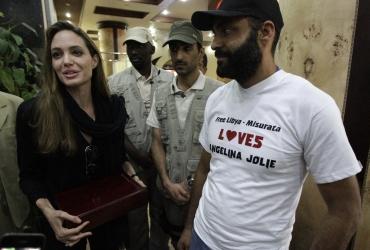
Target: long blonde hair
[53,123]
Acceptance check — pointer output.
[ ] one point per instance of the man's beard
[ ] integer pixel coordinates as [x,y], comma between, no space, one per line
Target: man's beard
[140,63]
[183,68]
[241,64]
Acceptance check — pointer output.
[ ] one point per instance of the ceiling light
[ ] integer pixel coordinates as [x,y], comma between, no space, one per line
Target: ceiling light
[183,0]
[165,12]
[68,15]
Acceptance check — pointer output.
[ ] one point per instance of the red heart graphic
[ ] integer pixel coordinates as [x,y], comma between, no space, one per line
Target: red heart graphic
[230,135]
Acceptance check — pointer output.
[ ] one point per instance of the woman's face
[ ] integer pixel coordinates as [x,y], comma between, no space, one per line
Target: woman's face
[71,59]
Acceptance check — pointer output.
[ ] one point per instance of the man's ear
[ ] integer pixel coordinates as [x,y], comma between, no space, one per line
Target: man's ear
[152,49]
[201,51]
[266,33]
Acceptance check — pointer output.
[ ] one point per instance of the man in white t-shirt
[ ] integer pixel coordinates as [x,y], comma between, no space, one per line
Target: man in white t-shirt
[262,134]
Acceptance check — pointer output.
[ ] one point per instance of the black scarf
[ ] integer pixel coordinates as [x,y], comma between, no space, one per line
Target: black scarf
[107,129]
[110,114]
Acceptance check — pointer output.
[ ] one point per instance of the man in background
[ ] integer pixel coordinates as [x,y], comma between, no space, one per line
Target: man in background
[14,206]
[177,117]
[137,84]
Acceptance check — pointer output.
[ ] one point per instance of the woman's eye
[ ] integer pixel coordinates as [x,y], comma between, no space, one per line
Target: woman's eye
[77,52]
[55,55]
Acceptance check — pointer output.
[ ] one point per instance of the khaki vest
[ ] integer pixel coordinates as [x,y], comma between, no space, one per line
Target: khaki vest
[124,84]
[14,206]
[182,146]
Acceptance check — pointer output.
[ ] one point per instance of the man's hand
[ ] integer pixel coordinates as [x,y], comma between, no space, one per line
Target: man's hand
[139,181]
[184,241]
[177,191]
[130,171]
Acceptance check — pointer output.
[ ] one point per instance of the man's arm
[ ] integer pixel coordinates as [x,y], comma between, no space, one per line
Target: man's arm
[196,192]
[344,214]
[177,191]
[130,171]
[141,158]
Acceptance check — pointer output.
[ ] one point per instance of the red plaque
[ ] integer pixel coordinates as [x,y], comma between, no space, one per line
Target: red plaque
[101,201]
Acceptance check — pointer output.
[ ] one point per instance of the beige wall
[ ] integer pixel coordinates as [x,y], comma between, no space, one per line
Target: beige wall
[316,44]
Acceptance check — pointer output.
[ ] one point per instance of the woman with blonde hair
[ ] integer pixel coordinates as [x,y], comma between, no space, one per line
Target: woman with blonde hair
[71,133]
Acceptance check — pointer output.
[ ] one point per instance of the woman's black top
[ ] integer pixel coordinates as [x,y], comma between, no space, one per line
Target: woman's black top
[43,175]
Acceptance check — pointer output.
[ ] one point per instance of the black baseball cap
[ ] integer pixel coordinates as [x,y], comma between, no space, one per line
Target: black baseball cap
[260,9]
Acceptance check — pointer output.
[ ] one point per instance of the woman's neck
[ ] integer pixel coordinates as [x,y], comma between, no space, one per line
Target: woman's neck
[83,97]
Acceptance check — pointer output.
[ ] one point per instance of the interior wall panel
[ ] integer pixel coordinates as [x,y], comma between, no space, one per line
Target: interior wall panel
[316,44]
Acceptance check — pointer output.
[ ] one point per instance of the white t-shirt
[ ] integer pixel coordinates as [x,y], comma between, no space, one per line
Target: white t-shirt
[263,140]
[183,100]
[144,85]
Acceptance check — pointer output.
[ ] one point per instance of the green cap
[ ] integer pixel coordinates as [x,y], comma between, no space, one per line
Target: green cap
[185,32]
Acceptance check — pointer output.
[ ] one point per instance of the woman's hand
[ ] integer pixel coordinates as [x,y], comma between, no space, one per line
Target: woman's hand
[69,236]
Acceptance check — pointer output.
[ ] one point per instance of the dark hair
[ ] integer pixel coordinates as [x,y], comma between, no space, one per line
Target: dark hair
[257,24]
[53,124]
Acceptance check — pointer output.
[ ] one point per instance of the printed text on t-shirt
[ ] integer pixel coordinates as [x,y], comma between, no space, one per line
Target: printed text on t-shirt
[243,138]
[246,139]
[249,123]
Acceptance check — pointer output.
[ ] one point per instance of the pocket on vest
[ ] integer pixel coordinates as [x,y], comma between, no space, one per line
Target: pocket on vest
[192,165]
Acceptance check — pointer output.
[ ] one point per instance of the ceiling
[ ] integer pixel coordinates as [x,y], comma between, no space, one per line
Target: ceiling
[87,13]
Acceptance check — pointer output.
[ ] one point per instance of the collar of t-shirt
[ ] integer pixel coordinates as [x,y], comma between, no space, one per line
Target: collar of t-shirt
[144,84]
[261,86]
[140,77]
[198,85]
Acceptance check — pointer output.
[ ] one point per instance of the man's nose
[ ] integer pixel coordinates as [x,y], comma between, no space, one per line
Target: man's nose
[179,54]
[133,51]
[216,42]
